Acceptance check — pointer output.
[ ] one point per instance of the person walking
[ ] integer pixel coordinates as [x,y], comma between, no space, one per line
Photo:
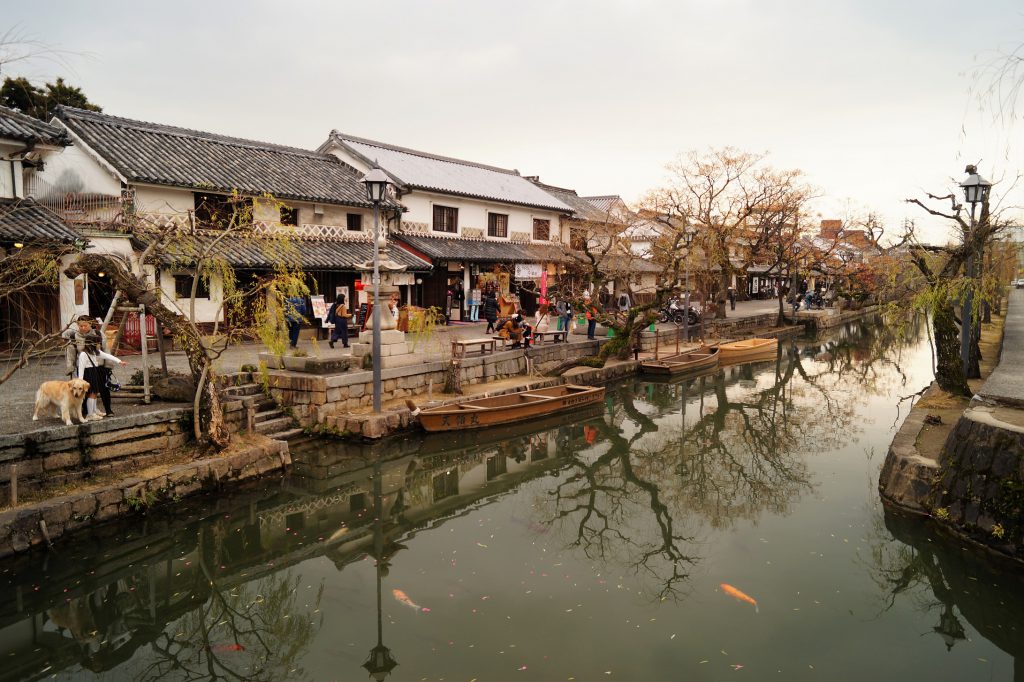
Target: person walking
[490,311]
[731,295]
[295,312]
[339,316]
[591,311]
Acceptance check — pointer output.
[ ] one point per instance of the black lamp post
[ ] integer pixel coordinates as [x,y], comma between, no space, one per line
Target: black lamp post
[376,182]
[976,190]
[379,663]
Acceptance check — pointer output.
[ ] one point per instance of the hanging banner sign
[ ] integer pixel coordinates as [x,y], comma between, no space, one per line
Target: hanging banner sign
[528,270]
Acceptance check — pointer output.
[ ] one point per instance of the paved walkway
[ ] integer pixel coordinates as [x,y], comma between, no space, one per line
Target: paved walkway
[1006,383]
[17,395]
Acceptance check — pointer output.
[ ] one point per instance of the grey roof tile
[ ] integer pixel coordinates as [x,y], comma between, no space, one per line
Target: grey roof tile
[420,170]
[26,221]
[165,155]
[482,250]
[15,125]
[582,209]
[340,255]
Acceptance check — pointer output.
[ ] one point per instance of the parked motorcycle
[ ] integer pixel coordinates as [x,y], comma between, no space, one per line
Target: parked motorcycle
[673,310]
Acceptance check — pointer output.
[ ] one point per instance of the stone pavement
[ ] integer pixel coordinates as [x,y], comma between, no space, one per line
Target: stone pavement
[1006,383]
[17,395]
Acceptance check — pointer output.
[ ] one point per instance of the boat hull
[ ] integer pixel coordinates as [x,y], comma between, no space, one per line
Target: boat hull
[684,362]
[509,409]
[745,351]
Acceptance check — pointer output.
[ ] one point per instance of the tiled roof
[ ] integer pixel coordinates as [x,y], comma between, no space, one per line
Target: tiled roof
[312,254]
[581,208]
[165,155]
[420,170]
[483,250]
[605,203]
[26,221]
[17,126]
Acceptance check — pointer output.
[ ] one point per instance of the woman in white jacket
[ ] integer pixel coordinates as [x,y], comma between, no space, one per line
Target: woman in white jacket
[94,365]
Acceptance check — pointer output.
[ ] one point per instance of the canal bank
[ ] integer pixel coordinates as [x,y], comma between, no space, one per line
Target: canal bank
[608,532]
[960,462]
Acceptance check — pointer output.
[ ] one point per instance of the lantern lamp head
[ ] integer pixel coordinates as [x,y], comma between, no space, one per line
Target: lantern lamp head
[376,182]
[976,188]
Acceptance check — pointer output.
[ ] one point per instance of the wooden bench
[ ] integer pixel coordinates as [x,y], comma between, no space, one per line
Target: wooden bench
[487,345]
[556,336]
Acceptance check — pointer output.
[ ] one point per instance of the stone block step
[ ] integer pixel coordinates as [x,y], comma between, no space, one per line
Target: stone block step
[243,390]
[267,415]
[288,434]
[274,425]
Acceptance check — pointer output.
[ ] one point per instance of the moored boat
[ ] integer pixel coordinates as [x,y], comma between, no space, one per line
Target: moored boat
[509,408]
[748,349]
[691,361]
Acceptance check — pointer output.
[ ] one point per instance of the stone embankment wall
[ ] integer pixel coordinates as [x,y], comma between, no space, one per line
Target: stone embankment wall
[980,483]
[66,454]
[311,399]
[26,527]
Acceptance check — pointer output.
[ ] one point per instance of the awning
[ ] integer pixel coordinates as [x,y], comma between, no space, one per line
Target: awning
[26,221]
[482,250]
[257,253]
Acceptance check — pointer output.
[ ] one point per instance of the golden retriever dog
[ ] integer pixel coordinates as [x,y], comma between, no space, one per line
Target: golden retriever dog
[66,395]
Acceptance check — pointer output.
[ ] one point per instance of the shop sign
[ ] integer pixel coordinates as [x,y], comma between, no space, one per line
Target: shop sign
[528,270]
[403,278]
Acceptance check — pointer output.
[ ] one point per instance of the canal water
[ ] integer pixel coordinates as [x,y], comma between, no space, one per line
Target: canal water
[719,528]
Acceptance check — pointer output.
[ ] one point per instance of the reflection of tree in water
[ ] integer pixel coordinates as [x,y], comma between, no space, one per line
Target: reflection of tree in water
[230,629]
[608,501]
[740,454]
[953,587]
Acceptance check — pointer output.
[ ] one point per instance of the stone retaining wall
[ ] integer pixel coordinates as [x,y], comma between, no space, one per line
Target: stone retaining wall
[65,454]
[311,399]
[42,523]
[907,477]
[980,488]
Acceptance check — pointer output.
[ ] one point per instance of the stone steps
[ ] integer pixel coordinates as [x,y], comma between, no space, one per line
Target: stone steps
[277,425]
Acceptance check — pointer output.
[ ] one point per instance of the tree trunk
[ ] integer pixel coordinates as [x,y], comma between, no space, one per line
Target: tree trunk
[138,291]
[721,298]
[949,372]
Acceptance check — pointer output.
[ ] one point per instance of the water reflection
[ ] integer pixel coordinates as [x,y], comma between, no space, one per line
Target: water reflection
[645,483]
[955,585]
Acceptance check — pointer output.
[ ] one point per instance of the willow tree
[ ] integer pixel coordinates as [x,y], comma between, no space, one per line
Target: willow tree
[946,283]
[205,254]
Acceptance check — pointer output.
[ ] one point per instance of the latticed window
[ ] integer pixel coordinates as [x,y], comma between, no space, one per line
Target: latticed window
[221,211]
[289,216]
[541,229]
[497,225]
[446,219]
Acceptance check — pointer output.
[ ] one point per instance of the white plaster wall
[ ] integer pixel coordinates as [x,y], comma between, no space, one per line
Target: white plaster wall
[156,199]
[119,245]
[207,309]
[76,170]
[11,180]
[473,213]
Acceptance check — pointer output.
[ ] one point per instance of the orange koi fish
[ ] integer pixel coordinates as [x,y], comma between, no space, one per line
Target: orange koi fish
[403,598]
[733,592]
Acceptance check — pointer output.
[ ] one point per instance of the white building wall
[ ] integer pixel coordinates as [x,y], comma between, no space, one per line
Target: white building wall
[77,170]
[156,199]
[473,214]
[208,310]
[102,243]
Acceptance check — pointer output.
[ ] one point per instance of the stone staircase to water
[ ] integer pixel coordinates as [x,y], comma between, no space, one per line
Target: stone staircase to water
[270,420]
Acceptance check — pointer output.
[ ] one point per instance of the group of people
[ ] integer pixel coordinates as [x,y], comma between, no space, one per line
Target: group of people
[86,358]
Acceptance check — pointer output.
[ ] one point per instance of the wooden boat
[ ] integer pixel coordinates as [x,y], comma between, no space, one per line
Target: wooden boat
[748,349]
[507,409]
[690,361]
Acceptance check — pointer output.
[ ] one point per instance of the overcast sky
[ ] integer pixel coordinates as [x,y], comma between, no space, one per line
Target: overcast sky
[870,98]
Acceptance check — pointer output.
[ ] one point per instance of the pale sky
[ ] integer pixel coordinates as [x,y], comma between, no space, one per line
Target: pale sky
[870,98]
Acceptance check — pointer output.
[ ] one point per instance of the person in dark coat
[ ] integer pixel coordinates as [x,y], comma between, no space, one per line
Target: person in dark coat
[339,315]
[490,311]
[295,313]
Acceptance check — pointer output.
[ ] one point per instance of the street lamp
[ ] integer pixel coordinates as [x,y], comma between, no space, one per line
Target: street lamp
[976,189]
[376,182]
[688,235]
